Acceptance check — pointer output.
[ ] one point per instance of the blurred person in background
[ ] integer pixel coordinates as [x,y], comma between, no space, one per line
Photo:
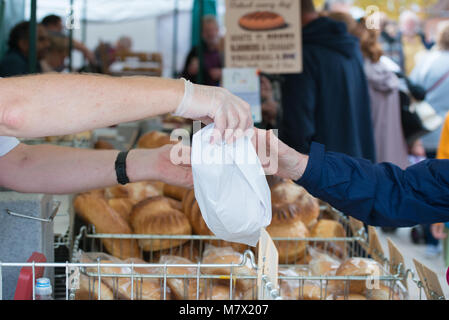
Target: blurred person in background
[56,55]
[15,61]
[329,101]
[391,42]
[441,230]
[432,73]
[384,94]
[53,24]
[413,39]
[124,45]
[212,55]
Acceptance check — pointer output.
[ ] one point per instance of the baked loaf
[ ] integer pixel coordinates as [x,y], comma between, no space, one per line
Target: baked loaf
[88,289]
[156,215]
[182,288]
[174,192]
[289,289]
[261,20]
[103,145]
[358,267]
[288,225]
[351,296]
[219,292]
[94,209]
[291,200]
[326,228]
[192,211]
[136,191]
[154,139]
[227,255]
[122,206]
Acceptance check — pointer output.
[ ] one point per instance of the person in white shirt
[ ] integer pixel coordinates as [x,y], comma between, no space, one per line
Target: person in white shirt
[56,104]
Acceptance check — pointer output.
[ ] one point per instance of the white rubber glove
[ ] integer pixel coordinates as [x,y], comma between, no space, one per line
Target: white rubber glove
[231,115]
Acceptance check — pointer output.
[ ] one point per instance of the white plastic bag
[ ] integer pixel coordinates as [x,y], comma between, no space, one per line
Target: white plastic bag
[230,187]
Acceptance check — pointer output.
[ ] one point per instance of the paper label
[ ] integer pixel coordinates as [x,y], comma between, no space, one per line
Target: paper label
[267,265]
[263,34]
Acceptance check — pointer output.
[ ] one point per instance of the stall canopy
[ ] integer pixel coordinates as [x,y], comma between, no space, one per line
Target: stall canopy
[109,11]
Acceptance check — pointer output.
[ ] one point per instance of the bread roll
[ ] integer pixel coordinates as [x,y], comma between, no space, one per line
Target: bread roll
[189,250]
[94,209]
[312,291]
[289,289]
[103,145]
[288,225]
[143,288]
[227,255]
[219,292]
[187,201]
[382,292]
[135,192]
[358,267]
[156,216]
[174,192]
[182,288]
[351,296]
[122,206]
[154,139]
[323,264]
[325,228]
[289,199]
[88,289]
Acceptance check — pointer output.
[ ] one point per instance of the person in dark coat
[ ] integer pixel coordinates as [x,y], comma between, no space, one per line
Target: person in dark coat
[329,101]
[212,55]
[15,62]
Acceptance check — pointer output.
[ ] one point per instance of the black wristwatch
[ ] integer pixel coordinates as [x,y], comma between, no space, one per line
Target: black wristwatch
[120,167]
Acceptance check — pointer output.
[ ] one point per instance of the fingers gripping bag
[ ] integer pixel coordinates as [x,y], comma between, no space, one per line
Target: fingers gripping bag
[230,187]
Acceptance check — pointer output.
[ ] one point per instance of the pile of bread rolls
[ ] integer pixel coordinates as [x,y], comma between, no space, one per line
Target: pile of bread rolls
[118,284]
[324,264]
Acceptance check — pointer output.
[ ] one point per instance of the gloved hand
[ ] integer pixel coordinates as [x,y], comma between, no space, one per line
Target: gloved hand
[231,115]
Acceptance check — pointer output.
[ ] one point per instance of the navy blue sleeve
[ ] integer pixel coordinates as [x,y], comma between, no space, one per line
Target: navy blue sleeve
[379,194]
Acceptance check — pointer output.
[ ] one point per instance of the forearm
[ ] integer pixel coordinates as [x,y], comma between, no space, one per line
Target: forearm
[382,194]
[56,104]
[62,170]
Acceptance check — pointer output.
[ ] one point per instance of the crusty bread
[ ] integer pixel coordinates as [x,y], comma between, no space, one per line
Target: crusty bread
[174,192]
[358,267]
[122,206]
[351,296]
[94,209]
[288,225]
[227,255]
[182,288]
[88,289]
[189,250]
[157,216]
[218,292]
[103,145]
[289,289]
[135,192]
[326,228]
[154,139]
[289,199]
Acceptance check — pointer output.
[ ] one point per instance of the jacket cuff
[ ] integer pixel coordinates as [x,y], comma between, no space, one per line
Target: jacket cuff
[312,175]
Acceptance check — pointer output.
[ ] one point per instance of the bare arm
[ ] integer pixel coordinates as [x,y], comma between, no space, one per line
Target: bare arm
[55,104]
[62,170]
